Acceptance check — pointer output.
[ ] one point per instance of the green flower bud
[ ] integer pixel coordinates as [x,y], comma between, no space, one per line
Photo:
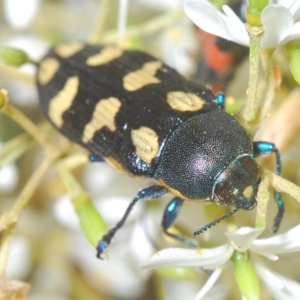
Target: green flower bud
[12,56]
[91,222]
[245,276]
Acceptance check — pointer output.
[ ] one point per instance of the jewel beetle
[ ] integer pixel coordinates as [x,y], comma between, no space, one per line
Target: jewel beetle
[144,119]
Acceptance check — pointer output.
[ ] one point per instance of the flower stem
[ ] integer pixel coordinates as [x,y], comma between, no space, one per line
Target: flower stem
[263,196]
[14,148]
[268,97]
[255,34]
[5,243]
[16,115]
[102,21]
[90,220]
[149,27]
[282,185]
[9,220]
[122,19]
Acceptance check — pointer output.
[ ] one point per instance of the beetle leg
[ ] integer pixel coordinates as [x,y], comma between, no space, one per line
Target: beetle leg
[95,158]
[152,192]
[170,214]
[221,100]
[265,148]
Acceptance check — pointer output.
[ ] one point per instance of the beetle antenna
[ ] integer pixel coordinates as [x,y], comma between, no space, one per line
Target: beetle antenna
[215,222]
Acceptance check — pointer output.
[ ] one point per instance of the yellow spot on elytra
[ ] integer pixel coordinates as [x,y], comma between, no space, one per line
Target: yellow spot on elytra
[69,49]
[106,55]
[248,191]
[104,115]
[183,101]
[144,76]
[63,101]
[145,141]
[47,69]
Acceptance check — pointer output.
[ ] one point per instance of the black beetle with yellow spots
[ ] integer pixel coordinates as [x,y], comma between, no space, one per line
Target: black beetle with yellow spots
[143,118]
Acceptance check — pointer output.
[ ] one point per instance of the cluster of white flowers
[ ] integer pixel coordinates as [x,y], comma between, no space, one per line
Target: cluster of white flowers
[127,281]
[242,240]
[228,26]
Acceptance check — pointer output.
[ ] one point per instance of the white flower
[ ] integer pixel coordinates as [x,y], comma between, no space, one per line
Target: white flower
[281,22]
[19,13]
[111,193]
[9,176]
[242,240]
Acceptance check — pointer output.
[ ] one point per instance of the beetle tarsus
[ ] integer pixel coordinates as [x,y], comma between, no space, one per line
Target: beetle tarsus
[148,193]
[279,216]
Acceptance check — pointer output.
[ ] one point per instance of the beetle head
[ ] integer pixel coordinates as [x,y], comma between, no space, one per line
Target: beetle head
[237,184]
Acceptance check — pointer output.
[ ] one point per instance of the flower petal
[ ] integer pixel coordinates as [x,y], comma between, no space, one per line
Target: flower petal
[231,14]
[295,10]
[282,243]
[275,32]
[279,286]
[243,238]
[286,3]
[292,5]
[19,13]
[209,19]
[9,177]
[294,34]
[178,257]
[209,283]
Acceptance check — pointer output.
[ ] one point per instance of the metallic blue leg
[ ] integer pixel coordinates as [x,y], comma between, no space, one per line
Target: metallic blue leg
[170,214]
[265,148]
[95,158]
[149,193]
[221,100]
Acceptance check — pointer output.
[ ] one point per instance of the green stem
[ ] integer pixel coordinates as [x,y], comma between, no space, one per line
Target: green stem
[283,185]
[14,148]
[90,220]
[4,250]
[72,185]
[255,34]
[16,115]
[9,220]
[263,196]
[147,28]
[9,72]
[269,95]
[102,21]
[72,162]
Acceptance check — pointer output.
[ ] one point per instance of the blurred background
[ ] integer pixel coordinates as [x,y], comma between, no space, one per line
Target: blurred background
[48,249]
